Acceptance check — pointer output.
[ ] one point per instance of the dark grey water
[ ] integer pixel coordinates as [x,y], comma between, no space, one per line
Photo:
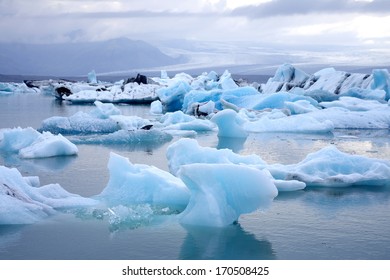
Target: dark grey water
[320,223]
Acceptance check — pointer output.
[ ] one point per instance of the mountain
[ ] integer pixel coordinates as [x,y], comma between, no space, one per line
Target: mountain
[71,59]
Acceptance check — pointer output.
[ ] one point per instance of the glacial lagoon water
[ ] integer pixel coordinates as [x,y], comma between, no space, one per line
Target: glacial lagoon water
[316,223]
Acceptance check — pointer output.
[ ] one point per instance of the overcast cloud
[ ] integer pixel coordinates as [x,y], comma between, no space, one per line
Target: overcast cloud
[304,7]
[327,24]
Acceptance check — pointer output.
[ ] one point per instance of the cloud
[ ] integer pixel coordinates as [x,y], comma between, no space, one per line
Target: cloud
[304,7]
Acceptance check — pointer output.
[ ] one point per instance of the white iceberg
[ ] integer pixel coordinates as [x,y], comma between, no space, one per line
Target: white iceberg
[12,88]
[29,143]
[22,201]
[330,167]
[98,120]
[329,81]
[131,92]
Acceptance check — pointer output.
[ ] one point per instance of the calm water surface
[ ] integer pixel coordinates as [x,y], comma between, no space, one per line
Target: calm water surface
[317,223]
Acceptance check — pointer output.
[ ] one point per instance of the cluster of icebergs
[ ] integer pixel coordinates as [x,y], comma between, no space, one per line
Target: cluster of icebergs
[204,186]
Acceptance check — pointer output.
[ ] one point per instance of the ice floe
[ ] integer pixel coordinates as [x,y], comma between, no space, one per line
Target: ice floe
[330,167]
[29,143]
[24,201]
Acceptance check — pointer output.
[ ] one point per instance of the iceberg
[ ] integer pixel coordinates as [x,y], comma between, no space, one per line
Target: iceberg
[180,121]
[381,81]
[327,84]
[220,193]
[11,88]
[330,167]
[140,184]
[92,79]
[97,120]
[23,201]
[120,92]
[187,151]
[29,143]
[172,96]
[232,124]
[343,118]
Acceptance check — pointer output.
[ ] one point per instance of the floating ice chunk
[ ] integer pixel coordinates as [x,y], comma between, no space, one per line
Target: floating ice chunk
[355,104]
[180,121]
[79,123]
[164,74]
[92,77]
[289,186]
[21,203]
[241,96]
[98,120]
[104,110]
[220,193]
[331,168]
[187,151]
[345,119]
[130,122]
[11,88]
[288,73]
[49,145]
[381,80]
[29,143]
[212,75]
[156,107]
[13,140]
[172,97]
[138,183]
[207,108]
[277,100]
[175,117]
[276,121]
[300,107]
[375,94]
[227,82]
[230,124]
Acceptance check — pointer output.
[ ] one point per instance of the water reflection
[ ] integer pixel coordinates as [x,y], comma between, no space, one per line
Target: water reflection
[334,201]
[51,164]
[9,235]
[234,144]
[227,243]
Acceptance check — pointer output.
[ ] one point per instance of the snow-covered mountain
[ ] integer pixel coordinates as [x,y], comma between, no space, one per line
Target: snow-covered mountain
[71,59]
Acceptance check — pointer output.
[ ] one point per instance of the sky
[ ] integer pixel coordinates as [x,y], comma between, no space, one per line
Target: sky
[304,25]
